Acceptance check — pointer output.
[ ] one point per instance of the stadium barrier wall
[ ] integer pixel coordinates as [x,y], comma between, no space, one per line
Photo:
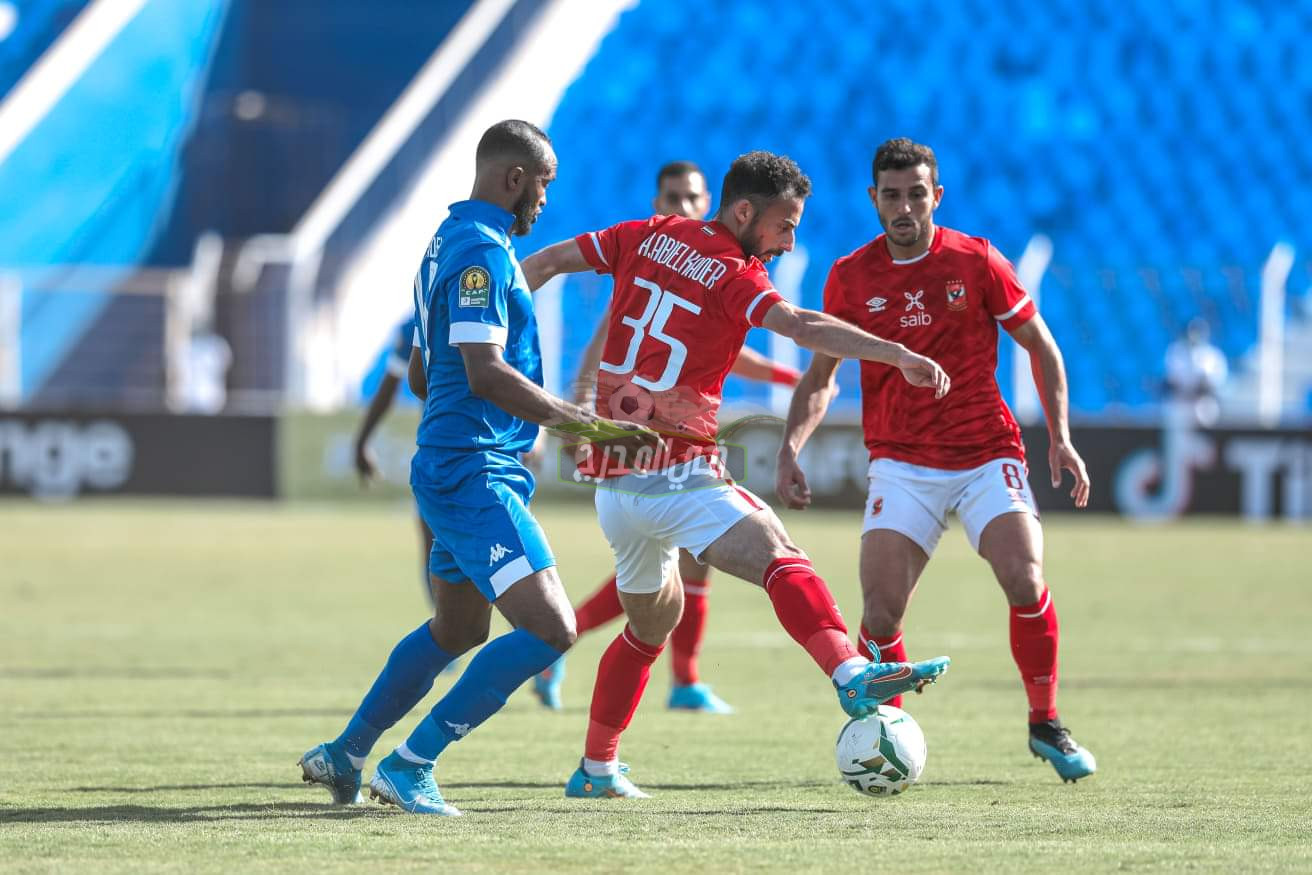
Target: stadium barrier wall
[61,455]
[1145,473]
[317,456]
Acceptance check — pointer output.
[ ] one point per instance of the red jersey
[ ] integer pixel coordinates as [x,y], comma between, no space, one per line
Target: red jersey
[685,296]
[946,305]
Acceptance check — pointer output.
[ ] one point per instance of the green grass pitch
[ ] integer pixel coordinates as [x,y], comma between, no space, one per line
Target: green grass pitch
[163,665]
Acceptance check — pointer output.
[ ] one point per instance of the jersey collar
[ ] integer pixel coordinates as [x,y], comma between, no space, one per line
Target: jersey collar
[486,213]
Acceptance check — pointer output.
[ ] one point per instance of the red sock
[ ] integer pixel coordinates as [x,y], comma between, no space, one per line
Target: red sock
[621,677]
[891,649]
[600,608]
[807,612]
[1034,647]
[686,640]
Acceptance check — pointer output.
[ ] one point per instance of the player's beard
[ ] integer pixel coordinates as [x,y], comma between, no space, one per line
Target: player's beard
[751,242]
[524,214]
[904,236]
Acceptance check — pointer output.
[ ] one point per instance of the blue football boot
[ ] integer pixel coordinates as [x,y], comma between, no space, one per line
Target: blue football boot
[327,764]
[584,786]
[1052,742]
[881,681]
[697,697]
[546,684]
[409,786]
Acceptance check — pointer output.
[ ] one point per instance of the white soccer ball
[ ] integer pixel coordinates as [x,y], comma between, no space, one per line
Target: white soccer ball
[881,755]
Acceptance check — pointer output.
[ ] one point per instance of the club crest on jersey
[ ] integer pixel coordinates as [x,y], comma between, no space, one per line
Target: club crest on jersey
[876,304]
[956,291]
[915,310]
[475,285]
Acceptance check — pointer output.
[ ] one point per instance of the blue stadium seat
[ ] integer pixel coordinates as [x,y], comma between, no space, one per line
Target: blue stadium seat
[1118,148]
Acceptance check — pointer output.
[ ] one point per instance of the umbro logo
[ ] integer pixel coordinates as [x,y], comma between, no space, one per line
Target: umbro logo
[498,553]
[876,304]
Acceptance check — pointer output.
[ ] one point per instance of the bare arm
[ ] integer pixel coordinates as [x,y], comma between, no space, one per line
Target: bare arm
[378,407]
[585,384]
[810,402]
[754,366]
[1050,379]
[494,380]
[558,258]
[837,339]
[415,376]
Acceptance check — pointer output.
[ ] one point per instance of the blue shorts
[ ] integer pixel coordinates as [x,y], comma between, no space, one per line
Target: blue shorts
[476,506]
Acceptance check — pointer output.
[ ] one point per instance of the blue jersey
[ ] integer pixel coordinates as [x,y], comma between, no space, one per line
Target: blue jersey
[470,289]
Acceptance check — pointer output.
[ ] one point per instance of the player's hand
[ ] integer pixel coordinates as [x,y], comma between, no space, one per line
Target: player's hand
[365,464]
[1062,456]
[921,371]
[790,483]
[594,429]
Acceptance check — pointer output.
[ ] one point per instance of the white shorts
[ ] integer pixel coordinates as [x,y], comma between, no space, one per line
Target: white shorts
[915,500]
[648,518]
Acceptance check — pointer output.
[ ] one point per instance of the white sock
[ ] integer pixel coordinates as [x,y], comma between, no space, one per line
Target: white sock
[407,754]
[357,762]
[601,768]
[848,669]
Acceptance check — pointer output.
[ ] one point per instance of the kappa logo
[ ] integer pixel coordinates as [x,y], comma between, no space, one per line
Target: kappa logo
[877,304]
[460,729]
[956,292]
[915,309]
[498,553]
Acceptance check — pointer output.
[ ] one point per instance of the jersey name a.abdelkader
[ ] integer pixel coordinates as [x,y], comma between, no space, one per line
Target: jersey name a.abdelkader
[946,304]
[470,289]
[685,296]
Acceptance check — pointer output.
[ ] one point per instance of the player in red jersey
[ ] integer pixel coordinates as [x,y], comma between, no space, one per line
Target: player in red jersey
[680,191]
[943,294]
[686,292]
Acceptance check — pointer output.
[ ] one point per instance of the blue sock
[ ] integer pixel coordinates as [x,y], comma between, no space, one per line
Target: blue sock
[402,684]
[496,672]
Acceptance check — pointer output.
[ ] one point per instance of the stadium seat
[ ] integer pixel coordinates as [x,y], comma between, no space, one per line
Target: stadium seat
[1118,148]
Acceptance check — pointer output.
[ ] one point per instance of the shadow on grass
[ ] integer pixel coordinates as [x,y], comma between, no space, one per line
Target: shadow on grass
[272,811]
[164,788]
[646,785]
[194,814]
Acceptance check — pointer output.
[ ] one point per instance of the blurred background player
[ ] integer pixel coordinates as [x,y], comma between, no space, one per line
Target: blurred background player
[398,364]
[686,293]
[680,191]
[479,370]
[943,294]
[1195,373]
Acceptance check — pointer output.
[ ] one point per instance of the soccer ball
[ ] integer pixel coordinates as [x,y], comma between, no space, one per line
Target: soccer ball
[883,754]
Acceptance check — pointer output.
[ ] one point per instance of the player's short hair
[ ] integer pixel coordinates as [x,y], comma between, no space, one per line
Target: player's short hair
[515,141]
[761,177]
[677,168]
[901,153]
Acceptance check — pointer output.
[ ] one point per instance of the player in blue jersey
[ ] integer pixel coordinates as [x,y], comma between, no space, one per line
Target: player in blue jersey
[477,365]
[397,369]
